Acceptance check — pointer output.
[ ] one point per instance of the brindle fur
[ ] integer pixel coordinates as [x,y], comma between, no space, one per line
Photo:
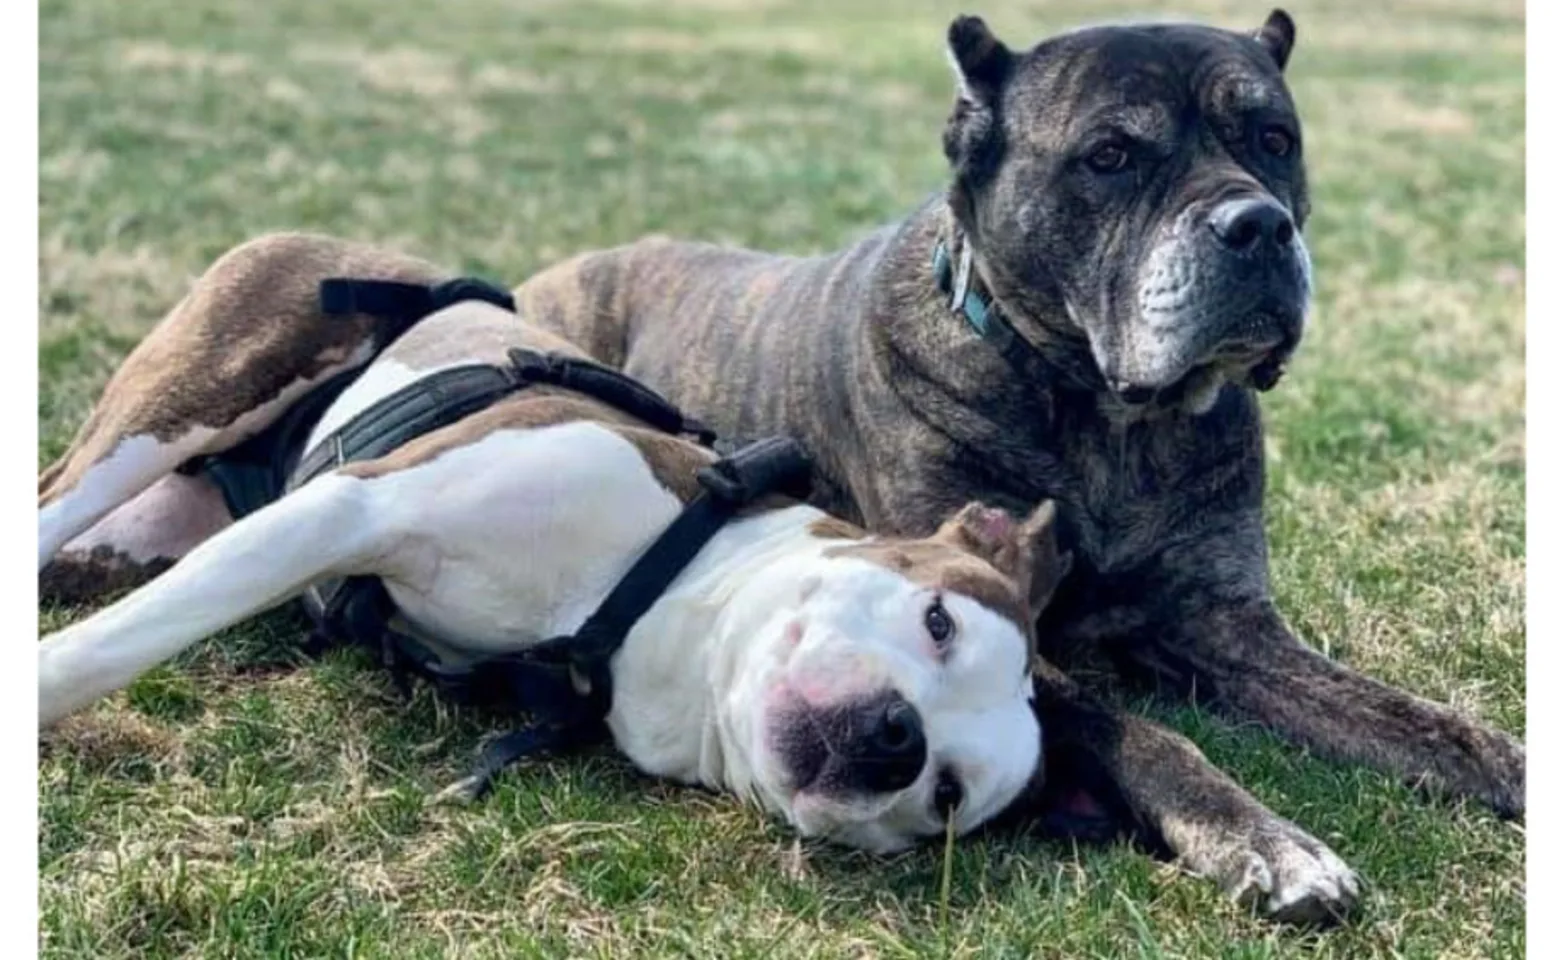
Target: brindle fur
[908,414]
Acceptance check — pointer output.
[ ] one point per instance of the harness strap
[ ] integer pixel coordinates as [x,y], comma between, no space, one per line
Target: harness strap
[447,396]
[611,387]
[391,299]
[773,465]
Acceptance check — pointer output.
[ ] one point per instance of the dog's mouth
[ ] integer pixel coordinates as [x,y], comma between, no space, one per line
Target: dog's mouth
[1257,363]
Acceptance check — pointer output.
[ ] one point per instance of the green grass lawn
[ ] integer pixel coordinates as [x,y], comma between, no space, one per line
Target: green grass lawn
[242,803]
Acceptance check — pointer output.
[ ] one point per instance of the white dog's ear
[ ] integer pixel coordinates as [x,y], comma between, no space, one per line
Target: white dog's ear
[1045,564]
[1027,552]
[985,532]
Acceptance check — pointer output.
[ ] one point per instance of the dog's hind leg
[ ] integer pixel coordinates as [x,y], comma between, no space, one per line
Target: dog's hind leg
[247,342]
[323,529]
[138,540]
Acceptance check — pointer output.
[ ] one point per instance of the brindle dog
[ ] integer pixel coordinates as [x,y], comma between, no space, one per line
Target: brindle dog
[1122,269]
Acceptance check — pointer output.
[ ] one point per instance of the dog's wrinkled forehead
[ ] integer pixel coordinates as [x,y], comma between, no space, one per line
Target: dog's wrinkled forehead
[1146,79]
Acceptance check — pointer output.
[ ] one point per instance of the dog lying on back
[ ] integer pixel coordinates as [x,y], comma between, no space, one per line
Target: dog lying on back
[863,688]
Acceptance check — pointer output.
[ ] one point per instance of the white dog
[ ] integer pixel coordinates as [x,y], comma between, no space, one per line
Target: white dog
[862,688]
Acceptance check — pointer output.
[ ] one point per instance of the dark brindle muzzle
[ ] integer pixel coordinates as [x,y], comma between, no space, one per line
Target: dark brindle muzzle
[1222,294]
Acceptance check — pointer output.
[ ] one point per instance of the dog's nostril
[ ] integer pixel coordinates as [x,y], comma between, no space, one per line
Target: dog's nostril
[1243,234]
[899,731]
[1241,224]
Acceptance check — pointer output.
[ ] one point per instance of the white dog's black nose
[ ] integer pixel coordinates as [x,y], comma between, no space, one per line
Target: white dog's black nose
[1252,224]
[893,749]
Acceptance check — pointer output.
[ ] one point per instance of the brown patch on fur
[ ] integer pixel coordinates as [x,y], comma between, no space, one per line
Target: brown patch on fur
[835,528]
[85,577]
[674,461]
[941,566]
[249,328]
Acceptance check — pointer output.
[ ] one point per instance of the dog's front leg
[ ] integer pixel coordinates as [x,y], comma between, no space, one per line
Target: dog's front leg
[1117,765]
[1243,658]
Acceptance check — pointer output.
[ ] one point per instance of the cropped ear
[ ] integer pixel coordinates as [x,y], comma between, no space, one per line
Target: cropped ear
[1027,552]
[1277,37]
[1045,565]
[981,61]
[987,533]
[971,140]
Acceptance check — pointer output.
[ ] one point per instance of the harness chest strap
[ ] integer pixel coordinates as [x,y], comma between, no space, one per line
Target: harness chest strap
[564,682]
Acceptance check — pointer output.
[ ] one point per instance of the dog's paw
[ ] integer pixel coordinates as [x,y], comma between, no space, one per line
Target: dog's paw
[1497,774]
[1290,876]
[464,791]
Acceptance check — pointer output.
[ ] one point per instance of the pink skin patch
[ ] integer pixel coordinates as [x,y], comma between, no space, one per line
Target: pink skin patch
[995,524]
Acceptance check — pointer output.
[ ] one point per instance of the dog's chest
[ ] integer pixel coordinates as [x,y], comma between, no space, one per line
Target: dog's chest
[1128,491]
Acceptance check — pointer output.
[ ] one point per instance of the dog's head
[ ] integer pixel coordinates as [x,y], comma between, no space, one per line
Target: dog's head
[1141,187]
[893,686]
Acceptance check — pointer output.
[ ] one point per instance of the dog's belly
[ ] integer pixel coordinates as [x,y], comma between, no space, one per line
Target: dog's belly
[517,537]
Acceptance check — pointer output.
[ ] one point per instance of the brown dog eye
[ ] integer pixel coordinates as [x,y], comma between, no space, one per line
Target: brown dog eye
[1277,142]
[936,619]
[1108,159]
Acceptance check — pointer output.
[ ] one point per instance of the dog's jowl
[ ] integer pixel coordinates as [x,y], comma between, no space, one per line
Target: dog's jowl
[1086,315]
[863,688]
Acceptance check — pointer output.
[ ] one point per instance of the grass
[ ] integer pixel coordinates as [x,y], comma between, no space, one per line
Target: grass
[240,803]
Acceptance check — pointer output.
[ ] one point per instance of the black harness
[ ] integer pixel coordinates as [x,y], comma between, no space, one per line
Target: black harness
[563,683]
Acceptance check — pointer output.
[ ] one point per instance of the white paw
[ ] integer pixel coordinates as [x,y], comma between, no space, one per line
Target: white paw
[1292,877]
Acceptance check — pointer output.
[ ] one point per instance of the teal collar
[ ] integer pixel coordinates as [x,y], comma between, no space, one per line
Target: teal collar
[967,296]
[956,282]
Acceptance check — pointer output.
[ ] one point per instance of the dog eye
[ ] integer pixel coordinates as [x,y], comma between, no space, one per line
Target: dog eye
[947,794]
[1276,141]
[1108,158]
[936,619]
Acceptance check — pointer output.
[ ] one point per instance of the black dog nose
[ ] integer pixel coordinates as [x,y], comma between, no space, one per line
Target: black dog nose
[1243,225]
[893,749]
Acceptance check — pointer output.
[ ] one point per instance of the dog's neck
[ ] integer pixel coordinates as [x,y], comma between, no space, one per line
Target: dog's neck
[1031,341]
[681,662]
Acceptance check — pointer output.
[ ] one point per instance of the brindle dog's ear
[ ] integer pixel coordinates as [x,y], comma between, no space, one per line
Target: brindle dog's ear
[981,60]
[1277,36]
[972,144]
